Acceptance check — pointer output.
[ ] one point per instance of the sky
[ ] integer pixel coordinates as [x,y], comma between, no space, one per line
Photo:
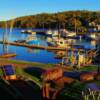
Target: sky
[15,8]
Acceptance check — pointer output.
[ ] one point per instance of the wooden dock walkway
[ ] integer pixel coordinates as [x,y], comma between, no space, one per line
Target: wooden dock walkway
[41,47]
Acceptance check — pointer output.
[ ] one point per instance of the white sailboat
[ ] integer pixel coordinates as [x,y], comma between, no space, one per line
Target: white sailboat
[67,34]
[52,33]
[6,53]
[58,41]
[91,36]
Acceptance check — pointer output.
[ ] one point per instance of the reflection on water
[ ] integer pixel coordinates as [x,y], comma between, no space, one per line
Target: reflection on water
[32,50]
[36,55]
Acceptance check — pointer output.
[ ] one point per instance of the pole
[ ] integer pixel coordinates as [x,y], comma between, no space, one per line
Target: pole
[98,70]
[75,25]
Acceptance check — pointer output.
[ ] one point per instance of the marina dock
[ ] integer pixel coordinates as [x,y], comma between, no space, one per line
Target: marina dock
[41,47]
[42,31]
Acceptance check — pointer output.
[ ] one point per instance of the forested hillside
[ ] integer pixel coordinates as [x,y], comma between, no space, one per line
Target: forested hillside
[69,19]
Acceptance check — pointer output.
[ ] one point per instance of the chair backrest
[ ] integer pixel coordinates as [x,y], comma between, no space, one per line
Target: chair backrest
[8,70]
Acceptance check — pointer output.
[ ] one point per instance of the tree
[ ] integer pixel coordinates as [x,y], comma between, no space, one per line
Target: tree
[61,19]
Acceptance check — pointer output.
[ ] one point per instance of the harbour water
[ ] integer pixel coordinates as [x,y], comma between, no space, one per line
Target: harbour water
[35,55]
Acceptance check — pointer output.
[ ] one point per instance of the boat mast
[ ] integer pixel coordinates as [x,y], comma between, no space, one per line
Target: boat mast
[5,39]
[12,24]
[75,25]
[59,30]
[10,32]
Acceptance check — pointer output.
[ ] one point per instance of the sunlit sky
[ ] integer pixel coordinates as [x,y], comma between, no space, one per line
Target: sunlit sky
[15,8]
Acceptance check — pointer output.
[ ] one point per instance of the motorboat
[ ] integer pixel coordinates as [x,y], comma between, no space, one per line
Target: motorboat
[67,34]
[49,33]
[52,33]
[26,31]
[91,36]
[32,40]
[60,42]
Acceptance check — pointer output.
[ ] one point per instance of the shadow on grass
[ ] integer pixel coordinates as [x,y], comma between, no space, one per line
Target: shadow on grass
[34,71]
[28,89]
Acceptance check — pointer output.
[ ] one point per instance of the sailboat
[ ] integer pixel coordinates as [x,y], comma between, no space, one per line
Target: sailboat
[7,54]
[52,33]
[58,41]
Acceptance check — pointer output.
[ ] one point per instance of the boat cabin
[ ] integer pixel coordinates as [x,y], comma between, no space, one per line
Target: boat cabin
[61,43]
[65,33]
[91,36]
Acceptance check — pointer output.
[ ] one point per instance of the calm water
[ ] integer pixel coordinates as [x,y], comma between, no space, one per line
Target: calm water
[34,55]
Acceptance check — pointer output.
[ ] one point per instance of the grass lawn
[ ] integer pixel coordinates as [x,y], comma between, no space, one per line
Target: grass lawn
[20,71]
[25,63]
[88,68]
[72,91]
[20,67]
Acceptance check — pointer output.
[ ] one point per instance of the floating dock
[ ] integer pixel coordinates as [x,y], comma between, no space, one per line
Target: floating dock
[41,47]
[35,30]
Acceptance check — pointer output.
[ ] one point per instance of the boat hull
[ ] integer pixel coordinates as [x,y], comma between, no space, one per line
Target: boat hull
[33,42]
[51,44]
[8,55]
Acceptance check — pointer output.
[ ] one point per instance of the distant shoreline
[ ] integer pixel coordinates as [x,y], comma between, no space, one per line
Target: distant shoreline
[84,19]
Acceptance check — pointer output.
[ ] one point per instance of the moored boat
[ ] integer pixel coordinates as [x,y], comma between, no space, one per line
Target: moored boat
[91,36]
[67,34]
[32,40]
[48,33]
[8,55]
[59,43]
[52,33]
[5,42]
[26,31]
